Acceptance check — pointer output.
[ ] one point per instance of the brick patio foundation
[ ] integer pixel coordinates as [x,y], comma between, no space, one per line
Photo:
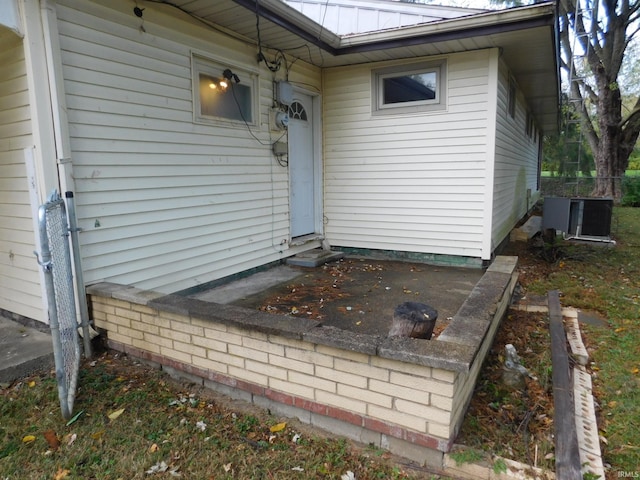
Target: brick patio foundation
[405,395]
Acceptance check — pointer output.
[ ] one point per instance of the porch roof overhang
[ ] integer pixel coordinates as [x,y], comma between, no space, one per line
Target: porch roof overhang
[526,36]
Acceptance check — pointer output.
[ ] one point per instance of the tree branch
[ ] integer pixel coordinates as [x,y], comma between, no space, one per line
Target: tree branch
[635,112]
[593,96]
[630,133]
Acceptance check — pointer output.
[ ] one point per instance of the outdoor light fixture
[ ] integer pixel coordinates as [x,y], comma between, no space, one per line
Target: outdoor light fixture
[229,75]
[223,83]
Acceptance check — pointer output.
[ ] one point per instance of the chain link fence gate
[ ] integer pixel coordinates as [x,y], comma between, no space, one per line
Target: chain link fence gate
[55,261]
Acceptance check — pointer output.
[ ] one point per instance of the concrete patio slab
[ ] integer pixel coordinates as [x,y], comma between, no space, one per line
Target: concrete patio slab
[23,350]
[355,294]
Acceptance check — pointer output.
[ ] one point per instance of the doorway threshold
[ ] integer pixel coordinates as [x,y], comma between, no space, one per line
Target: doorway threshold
[312,237]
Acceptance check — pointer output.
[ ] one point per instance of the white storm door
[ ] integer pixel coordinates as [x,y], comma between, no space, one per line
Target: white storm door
[302,167]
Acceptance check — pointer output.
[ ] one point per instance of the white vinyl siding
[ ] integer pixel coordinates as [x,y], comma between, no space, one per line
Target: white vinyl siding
[165,203]
[516,165]
[413,182]
[20,289]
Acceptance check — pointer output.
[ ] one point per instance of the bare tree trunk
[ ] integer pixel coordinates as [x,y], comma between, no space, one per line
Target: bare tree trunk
[611,163]
[602,43]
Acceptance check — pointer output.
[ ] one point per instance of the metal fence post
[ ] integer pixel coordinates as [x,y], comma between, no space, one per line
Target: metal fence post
[82,297]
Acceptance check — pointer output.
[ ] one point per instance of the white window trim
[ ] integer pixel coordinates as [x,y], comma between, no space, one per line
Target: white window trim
[512,97]
[214,66]
[438,104]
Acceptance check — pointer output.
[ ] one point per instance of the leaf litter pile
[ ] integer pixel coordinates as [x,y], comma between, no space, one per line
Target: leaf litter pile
[515,422]
[134,422]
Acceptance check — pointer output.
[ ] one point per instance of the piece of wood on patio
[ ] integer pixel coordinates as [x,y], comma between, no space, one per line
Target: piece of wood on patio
[413,319]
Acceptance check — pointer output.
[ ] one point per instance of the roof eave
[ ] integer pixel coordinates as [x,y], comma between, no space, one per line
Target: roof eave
[290,19]
[453,29]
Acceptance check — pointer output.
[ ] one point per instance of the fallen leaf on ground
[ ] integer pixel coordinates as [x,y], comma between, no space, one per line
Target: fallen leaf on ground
[28,439]
[32,383]
[70,438]
[153,448]
[113,415]
[52,439]
[278,427]
[60,474]
[227,467]
[158,468]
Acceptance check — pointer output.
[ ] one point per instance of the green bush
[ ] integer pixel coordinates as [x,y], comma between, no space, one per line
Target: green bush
[631,189]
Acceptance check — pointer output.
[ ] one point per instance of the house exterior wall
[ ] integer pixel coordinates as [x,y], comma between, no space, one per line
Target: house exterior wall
[413,182]
[164,202]
[20,287]
[516,162]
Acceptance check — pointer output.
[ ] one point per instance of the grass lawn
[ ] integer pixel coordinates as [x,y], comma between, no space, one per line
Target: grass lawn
[138,423]
[605,280]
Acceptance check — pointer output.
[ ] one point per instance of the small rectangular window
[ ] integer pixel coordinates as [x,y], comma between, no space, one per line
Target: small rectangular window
[223,92]
[409,88]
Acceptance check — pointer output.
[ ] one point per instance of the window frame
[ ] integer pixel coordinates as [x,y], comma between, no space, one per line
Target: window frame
[529,125]
[512,97]
[378,107]
[212,66]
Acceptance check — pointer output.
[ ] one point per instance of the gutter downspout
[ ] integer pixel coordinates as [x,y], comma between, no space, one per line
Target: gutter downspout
[60,131]
[492,121]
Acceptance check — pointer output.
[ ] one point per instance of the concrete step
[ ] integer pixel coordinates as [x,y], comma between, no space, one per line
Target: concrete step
[314,258]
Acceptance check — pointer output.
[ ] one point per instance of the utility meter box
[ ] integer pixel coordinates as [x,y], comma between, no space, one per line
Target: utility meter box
[284,93]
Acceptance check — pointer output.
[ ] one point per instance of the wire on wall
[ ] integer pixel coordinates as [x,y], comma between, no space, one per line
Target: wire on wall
[280,54]
[279,60]
[274,65]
